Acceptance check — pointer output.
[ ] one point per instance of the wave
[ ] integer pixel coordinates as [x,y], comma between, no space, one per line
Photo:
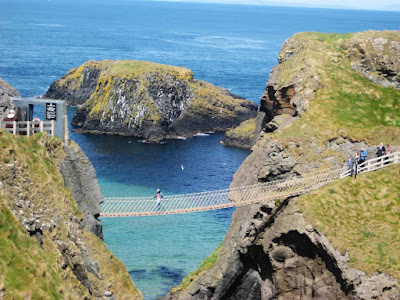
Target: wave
[143,141]
[47,24]
[202,134]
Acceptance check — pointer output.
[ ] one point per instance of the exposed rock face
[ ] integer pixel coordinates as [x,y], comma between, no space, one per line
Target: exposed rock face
[275,254]
[375,57]
[80,176]
[76,90]
[68,261]
[293,96]
[6,92]
[148,100]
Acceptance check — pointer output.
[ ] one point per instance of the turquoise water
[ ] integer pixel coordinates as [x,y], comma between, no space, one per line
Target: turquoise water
[228,45]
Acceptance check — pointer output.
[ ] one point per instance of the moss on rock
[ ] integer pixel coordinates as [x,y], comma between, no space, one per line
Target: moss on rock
[241,136]
[148,100]
[46,251]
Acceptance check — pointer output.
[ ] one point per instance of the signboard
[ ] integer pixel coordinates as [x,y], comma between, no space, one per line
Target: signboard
[51,112]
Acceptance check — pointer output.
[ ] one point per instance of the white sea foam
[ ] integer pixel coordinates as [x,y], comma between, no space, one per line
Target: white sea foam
[202,134]
[47,24]
[228,42]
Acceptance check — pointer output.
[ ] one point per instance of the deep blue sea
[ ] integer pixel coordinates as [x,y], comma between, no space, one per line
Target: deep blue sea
[234,46]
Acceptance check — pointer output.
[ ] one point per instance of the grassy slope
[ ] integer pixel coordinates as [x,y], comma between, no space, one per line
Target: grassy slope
[351,106]
[361,216]
[26,270]
[204,266]
[348,104]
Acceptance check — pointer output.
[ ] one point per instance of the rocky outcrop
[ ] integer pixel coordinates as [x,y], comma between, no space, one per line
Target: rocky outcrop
[64,260]
[273,250]
[276,254]
[290,95]
[77,85]
[80,176]
[6,92]
[376,57]
[241,136]
[148,100]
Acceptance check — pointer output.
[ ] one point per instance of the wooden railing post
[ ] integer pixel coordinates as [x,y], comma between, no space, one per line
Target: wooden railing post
[41,126]
[52,127]
[15,127]
[28,128]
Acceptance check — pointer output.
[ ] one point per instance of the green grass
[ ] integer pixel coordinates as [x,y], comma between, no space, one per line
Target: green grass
[346,105]
[361,216]
[24,267]
[246,129]
[26,270]
[129,67]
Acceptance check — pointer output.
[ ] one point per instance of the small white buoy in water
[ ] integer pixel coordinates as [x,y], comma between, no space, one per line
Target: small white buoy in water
[182,167]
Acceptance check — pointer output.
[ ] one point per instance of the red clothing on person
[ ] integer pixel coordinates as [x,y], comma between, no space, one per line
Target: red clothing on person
[7,119]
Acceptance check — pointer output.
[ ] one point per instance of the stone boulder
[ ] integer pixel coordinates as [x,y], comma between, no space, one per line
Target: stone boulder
[6,92]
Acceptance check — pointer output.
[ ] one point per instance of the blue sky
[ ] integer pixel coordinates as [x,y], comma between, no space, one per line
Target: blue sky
[391,5]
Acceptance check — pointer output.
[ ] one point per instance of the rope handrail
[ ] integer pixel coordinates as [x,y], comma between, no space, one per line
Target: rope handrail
[237,196]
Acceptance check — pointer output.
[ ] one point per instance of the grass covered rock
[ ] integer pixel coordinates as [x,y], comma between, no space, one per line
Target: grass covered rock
[46,250]
[148,100]
[321,104]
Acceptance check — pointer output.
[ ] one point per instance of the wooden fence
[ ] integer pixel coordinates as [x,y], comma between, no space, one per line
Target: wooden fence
[28,128]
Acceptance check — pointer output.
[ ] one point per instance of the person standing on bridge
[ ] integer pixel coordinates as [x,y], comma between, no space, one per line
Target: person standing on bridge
[159,196]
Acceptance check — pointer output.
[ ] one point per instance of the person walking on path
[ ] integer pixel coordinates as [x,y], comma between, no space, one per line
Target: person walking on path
[354,168]
[158,197]
[387,152]
[349,163]
[381,150]
[363,156]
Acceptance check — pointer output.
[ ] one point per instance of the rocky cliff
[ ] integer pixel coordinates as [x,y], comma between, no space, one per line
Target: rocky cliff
[376,57]
[334,242]
[49,247]
[6,92]
[80,177]
[148,100]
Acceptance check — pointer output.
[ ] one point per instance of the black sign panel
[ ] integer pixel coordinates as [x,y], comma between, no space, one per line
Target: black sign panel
[51,112]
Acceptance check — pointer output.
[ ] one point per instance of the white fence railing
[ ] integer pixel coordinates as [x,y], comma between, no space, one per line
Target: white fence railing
[373,164]
[28,128]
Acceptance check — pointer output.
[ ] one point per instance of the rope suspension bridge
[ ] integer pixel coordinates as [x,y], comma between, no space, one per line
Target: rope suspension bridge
[238,196]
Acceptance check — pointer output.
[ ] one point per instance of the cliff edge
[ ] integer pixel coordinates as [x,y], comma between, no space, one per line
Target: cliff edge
[50,245]
[338,242]
[147,100]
